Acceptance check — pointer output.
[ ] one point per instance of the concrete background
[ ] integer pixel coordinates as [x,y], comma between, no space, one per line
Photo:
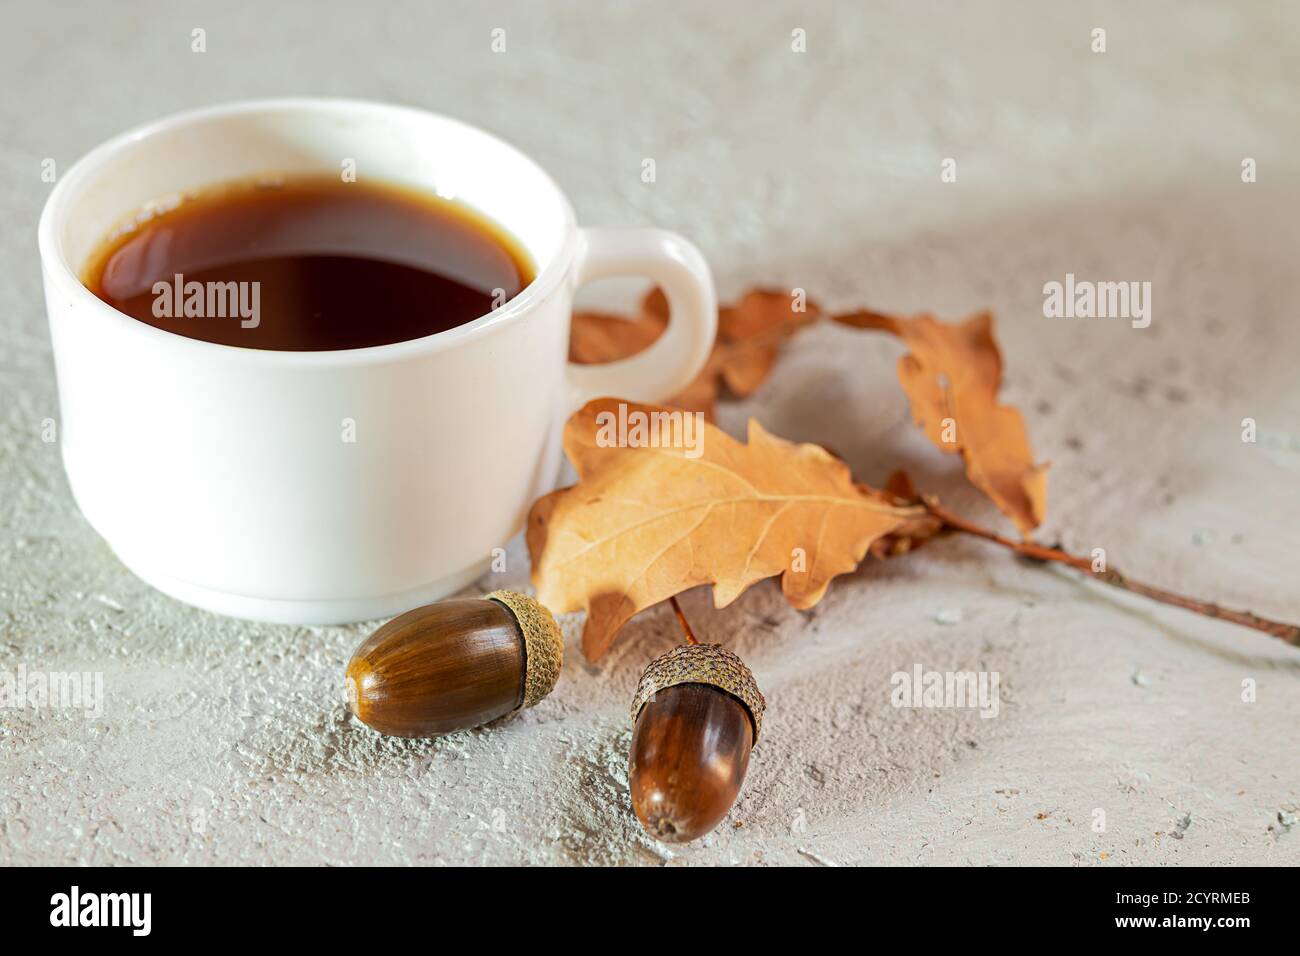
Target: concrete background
[228,742]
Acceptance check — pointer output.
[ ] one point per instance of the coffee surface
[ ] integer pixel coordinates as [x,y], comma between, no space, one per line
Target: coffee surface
[309,264]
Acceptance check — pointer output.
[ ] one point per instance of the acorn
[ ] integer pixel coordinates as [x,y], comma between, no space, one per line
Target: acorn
[696,716]
[455,664]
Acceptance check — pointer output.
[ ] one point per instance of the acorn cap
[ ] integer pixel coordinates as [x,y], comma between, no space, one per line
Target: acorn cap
[543,643]
[709,664]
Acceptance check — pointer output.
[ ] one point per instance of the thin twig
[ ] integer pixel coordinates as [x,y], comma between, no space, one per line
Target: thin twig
[681,619]
[1286,632]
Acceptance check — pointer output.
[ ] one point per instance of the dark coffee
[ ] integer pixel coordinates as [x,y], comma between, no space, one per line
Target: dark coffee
[309,264]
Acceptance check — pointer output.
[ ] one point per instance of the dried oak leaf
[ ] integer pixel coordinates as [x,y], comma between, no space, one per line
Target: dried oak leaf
[914,531]
[750,334]
[645,523]
[596,337]
[951,375]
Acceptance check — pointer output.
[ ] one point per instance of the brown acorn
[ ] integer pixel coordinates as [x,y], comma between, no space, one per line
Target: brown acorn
[697,713]
[455,664]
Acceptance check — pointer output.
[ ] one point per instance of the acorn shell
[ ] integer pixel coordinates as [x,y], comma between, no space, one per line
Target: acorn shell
[709,664]
[455,664]
[543,643]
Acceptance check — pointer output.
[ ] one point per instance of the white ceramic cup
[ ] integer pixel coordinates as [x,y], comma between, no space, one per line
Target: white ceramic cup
[222,475]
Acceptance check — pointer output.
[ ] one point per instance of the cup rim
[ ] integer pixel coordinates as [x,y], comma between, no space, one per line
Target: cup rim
[549,274]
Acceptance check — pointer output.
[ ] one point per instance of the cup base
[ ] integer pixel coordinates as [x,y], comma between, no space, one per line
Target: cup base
[306,613]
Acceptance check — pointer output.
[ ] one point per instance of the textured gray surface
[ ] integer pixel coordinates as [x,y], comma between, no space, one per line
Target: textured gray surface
[228,742]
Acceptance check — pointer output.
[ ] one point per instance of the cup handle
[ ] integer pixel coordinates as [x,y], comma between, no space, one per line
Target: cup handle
[677,356]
